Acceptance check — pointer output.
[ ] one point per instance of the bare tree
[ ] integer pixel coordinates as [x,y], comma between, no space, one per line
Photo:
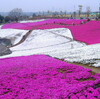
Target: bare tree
[88,11]
[16,14]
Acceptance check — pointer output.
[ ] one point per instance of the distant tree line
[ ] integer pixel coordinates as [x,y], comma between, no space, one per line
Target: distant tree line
[17,14]
[14,15]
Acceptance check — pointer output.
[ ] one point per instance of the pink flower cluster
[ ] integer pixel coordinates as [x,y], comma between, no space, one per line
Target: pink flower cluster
[43,77]
[87,32]
[35,25]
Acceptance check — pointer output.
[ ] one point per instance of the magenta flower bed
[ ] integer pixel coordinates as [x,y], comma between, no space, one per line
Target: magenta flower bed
[33,25]
[89,32]
[43,77]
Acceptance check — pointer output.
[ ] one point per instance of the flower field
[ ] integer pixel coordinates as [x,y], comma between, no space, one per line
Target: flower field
[53,37]
[34,25]
[36,74]
[42,77]
[82,30]
[43,42]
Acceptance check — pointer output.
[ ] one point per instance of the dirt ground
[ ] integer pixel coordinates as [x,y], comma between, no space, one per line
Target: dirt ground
[94,69]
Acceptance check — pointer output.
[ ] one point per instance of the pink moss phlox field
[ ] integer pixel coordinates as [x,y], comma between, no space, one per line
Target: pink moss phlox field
[88,32]
[43,77]
[34,25]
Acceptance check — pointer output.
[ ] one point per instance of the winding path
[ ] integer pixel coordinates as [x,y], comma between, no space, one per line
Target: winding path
[23,38]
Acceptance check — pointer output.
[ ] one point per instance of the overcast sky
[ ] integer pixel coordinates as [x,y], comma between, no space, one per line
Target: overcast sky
[45,5]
